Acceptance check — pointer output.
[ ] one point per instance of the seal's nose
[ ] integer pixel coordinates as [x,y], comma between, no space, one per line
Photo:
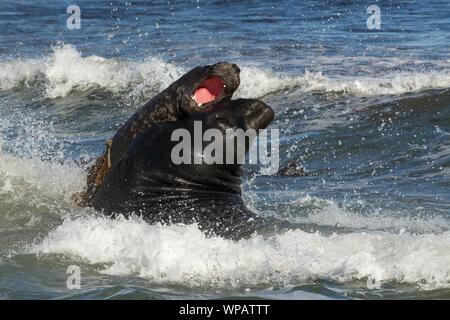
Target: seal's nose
[266,116]
[259,115]
[226,65]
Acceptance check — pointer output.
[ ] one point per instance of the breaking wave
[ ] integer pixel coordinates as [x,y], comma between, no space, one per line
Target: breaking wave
[66,70]
[182,254]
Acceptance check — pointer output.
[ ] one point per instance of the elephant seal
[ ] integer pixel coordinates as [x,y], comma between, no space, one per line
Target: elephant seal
[147,182]
[193,92]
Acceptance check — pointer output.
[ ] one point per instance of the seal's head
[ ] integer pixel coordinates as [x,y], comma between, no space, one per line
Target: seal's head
[206,85]
[240,113]
[239,122]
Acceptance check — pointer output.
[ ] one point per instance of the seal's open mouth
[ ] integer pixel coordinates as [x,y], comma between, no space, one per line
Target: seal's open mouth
[208,91]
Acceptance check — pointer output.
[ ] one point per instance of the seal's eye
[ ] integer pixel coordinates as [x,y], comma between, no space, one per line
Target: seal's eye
[208,91]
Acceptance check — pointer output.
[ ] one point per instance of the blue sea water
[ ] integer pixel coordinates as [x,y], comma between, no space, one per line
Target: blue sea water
[365,112]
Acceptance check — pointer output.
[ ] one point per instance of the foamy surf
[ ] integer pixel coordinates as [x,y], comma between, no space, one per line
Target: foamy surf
[34,158]
[182,254]
[328,213]
[18,175]
[37,178]
[66,69]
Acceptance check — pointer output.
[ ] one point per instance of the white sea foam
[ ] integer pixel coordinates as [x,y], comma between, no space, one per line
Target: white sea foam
[182,254]
[259,82]
[35,159]
[19,72]
[18,175]
[334,216]
[330,214]
[66,69]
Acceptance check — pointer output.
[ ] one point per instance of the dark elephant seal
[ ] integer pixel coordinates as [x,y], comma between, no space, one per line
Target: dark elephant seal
[146,181]
[193,92]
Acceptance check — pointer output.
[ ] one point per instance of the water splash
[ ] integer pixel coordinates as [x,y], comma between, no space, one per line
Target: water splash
[182,254]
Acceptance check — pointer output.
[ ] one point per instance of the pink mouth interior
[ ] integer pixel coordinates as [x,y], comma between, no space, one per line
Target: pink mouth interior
[209,90]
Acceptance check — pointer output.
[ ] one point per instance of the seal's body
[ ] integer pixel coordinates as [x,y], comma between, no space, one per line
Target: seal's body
[147,182]
[193,92]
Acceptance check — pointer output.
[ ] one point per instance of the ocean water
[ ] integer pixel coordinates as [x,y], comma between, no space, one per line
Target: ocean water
[366,112]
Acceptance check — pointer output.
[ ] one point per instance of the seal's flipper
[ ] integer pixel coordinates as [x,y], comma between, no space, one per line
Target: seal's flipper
[97,174]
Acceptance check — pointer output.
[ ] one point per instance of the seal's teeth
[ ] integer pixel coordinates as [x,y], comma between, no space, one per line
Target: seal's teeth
[193,97]
[224,85]
[200,104]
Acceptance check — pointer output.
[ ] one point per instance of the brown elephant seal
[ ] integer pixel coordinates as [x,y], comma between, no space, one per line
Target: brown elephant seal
[198,89]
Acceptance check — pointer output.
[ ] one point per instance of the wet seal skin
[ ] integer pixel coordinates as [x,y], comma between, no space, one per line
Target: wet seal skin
[198,89]
[292,170]
[146,182]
